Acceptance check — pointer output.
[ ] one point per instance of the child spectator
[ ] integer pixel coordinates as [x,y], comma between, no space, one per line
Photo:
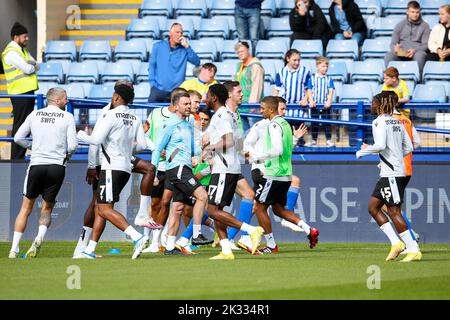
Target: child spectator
[392,82]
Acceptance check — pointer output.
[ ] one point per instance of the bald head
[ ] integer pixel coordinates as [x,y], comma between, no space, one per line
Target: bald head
[57,97]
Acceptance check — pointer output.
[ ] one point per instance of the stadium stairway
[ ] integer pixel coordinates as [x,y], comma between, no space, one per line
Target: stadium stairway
[5,119]
[103,20]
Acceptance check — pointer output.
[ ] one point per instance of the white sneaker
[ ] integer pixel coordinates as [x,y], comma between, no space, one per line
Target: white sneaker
[330,143]
[164,239]
[234,246]
[312,143]
[85,255]
[13,255]
[34,249]
[291,226]
[139,245]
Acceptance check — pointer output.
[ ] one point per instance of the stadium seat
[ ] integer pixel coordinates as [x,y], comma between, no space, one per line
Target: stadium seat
[269,70]
[191,7]
[309,64]
[430,93]
[271,49]
[384,26]
[342,49]
[286,6]
[308,48]
[369,7]
[51,72]
[157,7]
[337,70]
[45,86]
[428,7]
[337,91]
[374,85]
[396,7]
[356,92]
[278,64]
[101,91]
[409,70]
[205,48]
[74,91]
[268,88]
[225,70]
[190,71]
[143,28]
[187,24]
[86,71]
[411,86]
[231,26]
[148,43]
[131,50]
[279,27]
[446,85]
[60,50]
[142,74]
[96,50]
[141,92]
[269,8]
[436,70]
[222,7]
[432,20]
[368,70]
[114,71]
[217,27]
[375,48]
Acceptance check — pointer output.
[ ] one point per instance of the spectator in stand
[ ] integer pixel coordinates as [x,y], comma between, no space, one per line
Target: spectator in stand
[439,41]
[250,75]
[167,67]
[307,21]
[392,82]
[247,19]
[347,21]
[203,81]
[410,38]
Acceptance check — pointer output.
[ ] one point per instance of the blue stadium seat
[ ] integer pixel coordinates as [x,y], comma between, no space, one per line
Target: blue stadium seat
[446,85]
[60,50]
[143,28]
[157,7]
[375,86]
[409,70]
[430,93]
[191,7]
[384,26]
[130,50]
[343,49]
[148,43]
[337,91]
[431,19]
[269,70]
[368,70]
[142,74]
[96,50]
[285,7]
[369,7]
[271,49]
[268,88]
[45,86]
[431,6]
[225,70]
[162,21]
[337,70]
[309,64]
[51,72]
[436,70]
[190,71]
[308,48]
[278,64]
[217,27]
[114,71]
[205,48]
[74,91]
[187,24]
[375,48]
[227,50]
[101,91]
[222,7]
[279,27]
[356,92]
[231,26]
[269,8]
[141,92]
[86,71]
[396,7]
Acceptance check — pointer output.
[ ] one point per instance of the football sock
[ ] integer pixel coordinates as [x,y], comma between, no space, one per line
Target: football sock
[247,228]
[409,225]
[245,215]
[146,231]
[390,233]
[156,237]
[91,247]
[143,206]
[270,241]
[189,231]
[411,244]
[170,243]
[292,197]
[132,233]
[226,247]
[197,229]
[302,224]
[16,239]
[83,240]
[41,232]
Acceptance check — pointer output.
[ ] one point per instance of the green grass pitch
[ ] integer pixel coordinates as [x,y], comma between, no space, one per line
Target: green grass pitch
[330,271]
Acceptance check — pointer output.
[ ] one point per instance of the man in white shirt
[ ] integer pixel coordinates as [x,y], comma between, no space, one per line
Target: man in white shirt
[54,141]
[392,143]
[21,79]
[120,134]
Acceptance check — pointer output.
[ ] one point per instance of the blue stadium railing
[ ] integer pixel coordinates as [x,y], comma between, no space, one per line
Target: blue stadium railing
[359,127]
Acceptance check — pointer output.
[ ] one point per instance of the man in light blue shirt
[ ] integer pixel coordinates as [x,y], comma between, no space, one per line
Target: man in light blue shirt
[167,67]
[177,138]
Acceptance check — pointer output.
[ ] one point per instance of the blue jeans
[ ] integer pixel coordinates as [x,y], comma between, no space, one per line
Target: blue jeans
[247,23]
[356,36]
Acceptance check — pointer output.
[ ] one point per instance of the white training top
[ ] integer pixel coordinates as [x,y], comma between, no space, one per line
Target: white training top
[54,136]
[392,143]
[220,125]
[94,155]
[116,132]
[255,141]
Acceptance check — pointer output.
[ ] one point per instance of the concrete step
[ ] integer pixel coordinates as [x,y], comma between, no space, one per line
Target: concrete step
[106,24]
[102,14]
[110,4]
[92,35]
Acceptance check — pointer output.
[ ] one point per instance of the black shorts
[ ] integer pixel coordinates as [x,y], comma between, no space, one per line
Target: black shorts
[221,189]
[45,180]
[184,184]
[110,185]
[391,190]
[95,182]
[269,191]
[163,184]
